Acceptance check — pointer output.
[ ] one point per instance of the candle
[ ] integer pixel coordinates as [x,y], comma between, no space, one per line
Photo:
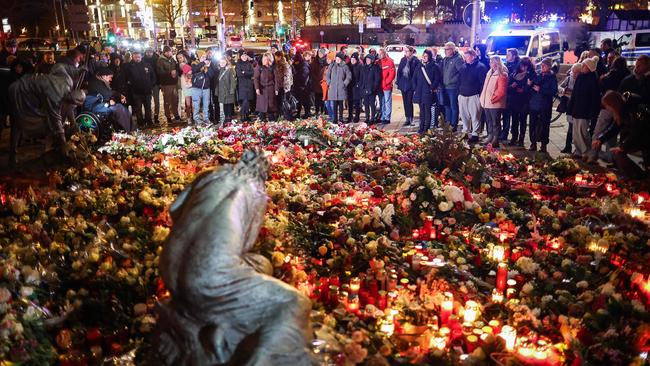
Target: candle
[388,327]
[502,276]
[472,342]
[355,285]
[446,308]
[498,253]
[428,226]
[497,296]
[353,304]
[509,335]
[472,311]
[416,234]
[438,342]
[578,178]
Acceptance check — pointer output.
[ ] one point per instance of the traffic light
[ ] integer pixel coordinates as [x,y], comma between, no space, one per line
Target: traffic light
[111,39]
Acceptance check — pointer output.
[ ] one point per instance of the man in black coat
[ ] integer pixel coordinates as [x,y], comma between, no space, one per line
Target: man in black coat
[405,82]
[245,88]
[584,106]
[302,84]
[151,58]
[101,99]
[141,79]
[370,81]
[355,92]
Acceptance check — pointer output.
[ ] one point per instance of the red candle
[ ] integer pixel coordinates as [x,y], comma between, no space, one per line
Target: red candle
[502,276]
[446,308]
[428,225]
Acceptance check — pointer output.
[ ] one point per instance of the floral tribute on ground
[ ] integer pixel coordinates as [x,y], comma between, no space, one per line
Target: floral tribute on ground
[413,250]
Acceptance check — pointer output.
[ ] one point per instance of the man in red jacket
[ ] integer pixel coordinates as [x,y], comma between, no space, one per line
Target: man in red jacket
[387,67]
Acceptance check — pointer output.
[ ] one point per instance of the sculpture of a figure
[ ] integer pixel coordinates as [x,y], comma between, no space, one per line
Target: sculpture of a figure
[223,309]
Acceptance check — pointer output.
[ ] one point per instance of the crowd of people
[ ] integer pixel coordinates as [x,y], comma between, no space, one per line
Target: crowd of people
[479,96]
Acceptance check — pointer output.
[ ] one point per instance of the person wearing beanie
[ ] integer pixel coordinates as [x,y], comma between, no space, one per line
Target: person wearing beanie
[338,78]
[406,83]
[168,79]
[355,93]
[245,88]
[427,80]
[370,83]
[565,90]
[584,107]
[543,88]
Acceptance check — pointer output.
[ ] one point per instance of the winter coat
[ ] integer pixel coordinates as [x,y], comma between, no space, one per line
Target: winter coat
[356,83]
[201,75]
[634,127]
[585,99]
[140,78]
[639,85]
[284,75]
[302,81]
[119,78]
[266,82]
[227,85]
[98,87]
[493,95]
[315,73]
[164,68]
[451,67]
[542,100]
[323,82]
[471,78]
[245,88]
[612,80]
[424,93]
[513,66]
[387,73]
[405,81]
[370,79]
[519,95]
[338,78]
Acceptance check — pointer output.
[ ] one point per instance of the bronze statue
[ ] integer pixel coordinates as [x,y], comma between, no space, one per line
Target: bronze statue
[225,309]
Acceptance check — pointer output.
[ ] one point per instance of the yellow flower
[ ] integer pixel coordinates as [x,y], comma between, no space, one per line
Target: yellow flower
[277,258]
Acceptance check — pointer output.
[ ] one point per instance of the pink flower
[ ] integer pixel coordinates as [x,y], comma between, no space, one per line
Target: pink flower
[356,354]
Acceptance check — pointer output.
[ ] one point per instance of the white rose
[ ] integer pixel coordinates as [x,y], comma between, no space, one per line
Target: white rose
[582,284]
[26,291]
[444,206]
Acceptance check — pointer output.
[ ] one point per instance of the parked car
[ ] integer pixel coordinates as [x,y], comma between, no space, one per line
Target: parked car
[395,52]
[234,42]
[38,44]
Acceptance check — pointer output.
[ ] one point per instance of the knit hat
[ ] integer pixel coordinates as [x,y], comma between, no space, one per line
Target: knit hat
[341,55]
[591,62]
[331,55]
[186,69]
[355,56]
[104,71]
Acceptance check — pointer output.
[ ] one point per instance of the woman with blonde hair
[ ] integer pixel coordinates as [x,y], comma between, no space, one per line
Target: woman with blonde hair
[493,98]
[284,78]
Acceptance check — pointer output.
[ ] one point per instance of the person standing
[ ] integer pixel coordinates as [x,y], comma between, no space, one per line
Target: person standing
[370,85]
[471,79]
[387,77]
[201,75]
[338,77]
[46,63]
[452,63]
[481,52]
[493,98]
[10,49]
[186,90]
[151,58]
[140,80]
[518,99]
[543,89]
[316,75]
[405,83]
[168,78]
[512,64]
[245,87]
[356,89]
[227,88]
[584,106]
[427,80]
[284,78]
[639,81]
[266,88]
[302,84]
[565,89]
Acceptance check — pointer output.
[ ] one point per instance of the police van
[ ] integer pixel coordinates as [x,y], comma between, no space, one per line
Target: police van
[537,43]
[631,44]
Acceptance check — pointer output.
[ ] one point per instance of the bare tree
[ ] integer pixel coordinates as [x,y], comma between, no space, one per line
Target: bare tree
[169,11]
[321,10]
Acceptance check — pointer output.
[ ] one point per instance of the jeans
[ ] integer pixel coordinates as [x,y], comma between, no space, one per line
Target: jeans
[200,96]
[329,108]
[451,106]
[540,122]
[493,120]
[407,98]
[506,124]
[386,105]
[518,127]
[425,117]
[470,113]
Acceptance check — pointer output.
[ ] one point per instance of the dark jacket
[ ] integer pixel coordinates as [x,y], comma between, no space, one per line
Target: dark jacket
[639,85]
[585,97]
[119,78]
[245,88]
[153,61]
[370,79]
[471,79]
[316,74]
[140,78]
[201,75]
[355,70]
[543,99]
[302,81]
[519,95]
[265,81]
[405,80]
[424,93]
[227,85]
[98,87]
[612,80]
[634,127]
[43,68]
[513,66]
[164,68]
[451,67]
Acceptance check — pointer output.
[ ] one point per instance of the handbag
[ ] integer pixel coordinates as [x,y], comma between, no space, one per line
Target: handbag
[289,104]
[564,102]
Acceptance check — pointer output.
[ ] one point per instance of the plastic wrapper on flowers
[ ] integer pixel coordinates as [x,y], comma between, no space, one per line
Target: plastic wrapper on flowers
[413,251]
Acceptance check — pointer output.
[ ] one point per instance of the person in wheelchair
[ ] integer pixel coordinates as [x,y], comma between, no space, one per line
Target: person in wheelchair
[106,103]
